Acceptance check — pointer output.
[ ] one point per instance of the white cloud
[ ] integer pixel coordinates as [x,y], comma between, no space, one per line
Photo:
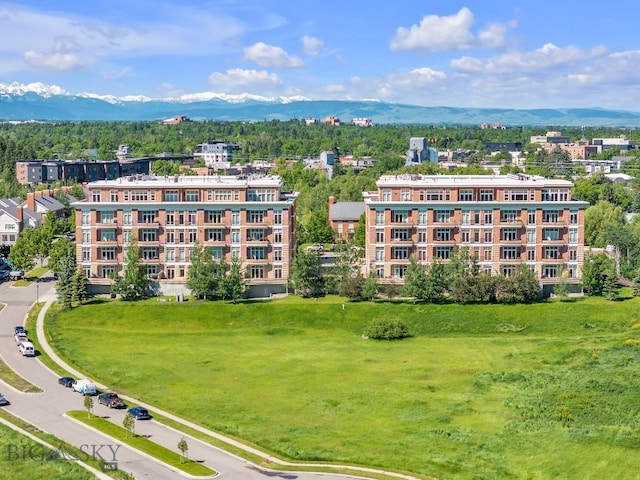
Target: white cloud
[549,56]
[53,61]
[270,56]
[312,46]
[447,33]
[239,80]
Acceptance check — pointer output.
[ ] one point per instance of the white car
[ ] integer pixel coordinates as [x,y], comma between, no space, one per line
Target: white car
[26,349]
[85,387]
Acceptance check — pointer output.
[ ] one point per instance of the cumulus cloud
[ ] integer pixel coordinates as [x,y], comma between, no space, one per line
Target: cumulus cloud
[238,79]
[437,33]
[312,46]
[53,61]
[549,56]
[270,56]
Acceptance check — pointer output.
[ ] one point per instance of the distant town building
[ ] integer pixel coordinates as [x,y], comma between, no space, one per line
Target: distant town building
[362,122]
[344,217]
[310,121]
[550,137]
[502,146]
[175,120]
[419,151]
[332,121]
[621,142]
[122,152]
[216,154]
[36,172]
[327,158]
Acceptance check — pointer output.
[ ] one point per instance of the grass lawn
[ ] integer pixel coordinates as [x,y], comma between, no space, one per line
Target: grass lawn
[31,276]
[143,444]
[534,392]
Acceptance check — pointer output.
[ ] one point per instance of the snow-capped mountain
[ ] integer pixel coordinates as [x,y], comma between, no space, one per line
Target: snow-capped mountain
[37,101]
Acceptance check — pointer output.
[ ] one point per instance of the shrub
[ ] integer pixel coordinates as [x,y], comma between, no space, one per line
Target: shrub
[386,329]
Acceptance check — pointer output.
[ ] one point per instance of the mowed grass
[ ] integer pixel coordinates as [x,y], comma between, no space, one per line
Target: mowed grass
[527,391]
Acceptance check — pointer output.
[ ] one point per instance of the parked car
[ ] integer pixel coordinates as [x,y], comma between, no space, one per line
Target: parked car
[139,413]
[85,387]
[26,349]
[19,329]
[20,337]
[16,274]
[66,381]
[3,400]
[111,400]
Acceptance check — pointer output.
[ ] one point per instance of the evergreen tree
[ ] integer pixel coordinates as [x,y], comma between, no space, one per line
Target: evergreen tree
[64,285]
[231,286]
[610,286]
[636,284]
[370,287]
[305,274]
[204,273]
[416,282]
[318,228]
[132,284]
[79,292]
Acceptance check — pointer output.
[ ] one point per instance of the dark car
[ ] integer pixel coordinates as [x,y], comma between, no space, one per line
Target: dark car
[66,381]
[4,401]
[111,400]
[139,413]
[19,329]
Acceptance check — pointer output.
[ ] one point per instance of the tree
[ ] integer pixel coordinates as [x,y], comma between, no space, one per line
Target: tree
[360,234]
[416,282]
[129,423]
[521,287]
[636,284]
[59,250]
[593,273]
[79,287]
[610,286]
[318,227]
[204,273]
[64,285]
[88,404]
[370,287]
[184,449]
[132,285]
[22,251]
[603,222]
[305,275]
[231,286]
[351,287]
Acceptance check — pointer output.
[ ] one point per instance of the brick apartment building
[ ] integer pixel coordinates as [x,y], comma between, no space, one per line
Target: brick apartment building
[505,221]
[249,218]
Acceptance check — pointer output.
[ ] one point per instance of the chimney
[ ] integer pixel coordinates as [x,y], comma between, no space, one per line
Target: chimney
[19,214]
[31,201]
[332,200]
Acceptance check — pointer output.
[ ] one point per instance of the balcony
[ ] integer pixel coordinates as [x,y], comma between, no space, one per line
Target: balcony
[107,241]
[257,240]
[402,241]
[148,242]
[221,242]
[553,241]
[107,222]
[258,261]
[553,222]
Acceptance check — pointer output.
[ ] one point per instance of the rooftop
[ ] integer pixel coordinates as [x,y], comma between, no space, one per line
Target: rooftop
[146,181]
[519,180]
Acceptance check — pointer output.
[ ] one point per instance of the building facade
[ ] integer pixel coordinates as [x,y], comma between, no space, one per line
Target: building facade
[35,172]
[505,221]
[248,218]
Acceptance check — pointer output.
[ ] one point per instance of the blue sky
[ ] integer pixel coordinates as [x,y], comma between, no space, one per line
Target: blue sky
[515,54]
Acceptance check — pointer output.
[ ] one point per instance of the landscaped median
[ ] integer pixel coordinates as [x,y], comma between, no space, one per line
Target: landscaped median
[31,276]
[142,444]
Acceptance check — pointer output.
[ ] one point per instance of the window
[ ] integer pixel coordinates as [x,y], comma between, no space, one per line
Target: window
[126,236]
[171,255]
[86,218]
[222,195]
[235,253]
[438,195]
[531,217]
[171,273]
[277,272]
[255,216]
[380,272]
[486,195]
[107,217]
[573,218]
[551,234]
[555,194]
[107,235]
[114,195]
[171,196]
[150,253]
[550,216]
[379,254]
[107,271]
[235,218]
[277,217]
[508,270]
[148,235]
[509,253]
[213,216]
[487,254]
[255,234]
[379,218]
[235,236]
[405,195]
[277,254]
[148,216]
[465,236]
[442,235]
[400,234]
[422,254]
[379,236]
[443,253]
[466,218]
[443,216]
[422,236]
[399,216]
[400,253]
[256,253]
[422,218]
[261,195]
[386,195]
[152,271]
[214,234]
[170,236]
[531,236]
[399,271]
[236,195]
[126,218]
[95,196]
[125,195]
[508,216]
[488,218]
[573,254]
[488,236]
[277,236]
[549,271]
[552,253]
[86,254]
[108,253]
[192,196]
[465,195]
[170,218]
[510,234]
[139,195]
[573,235]
[531,254]
[257,271]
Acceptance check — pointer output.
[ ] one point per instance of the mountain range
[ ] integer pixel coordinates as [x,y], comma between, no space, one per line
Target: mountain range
[39,102]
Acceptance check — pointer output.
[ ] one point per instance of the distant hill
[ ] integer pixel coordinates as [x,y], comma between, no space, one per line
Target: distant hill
[50,103]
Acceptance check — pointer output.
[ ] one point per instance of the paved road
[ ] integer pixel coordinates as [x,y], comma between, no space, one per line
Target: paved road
[45,410]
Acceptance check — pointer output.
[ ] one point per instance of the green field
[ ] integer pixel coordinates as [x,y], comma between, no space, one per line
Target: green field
[537,391]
